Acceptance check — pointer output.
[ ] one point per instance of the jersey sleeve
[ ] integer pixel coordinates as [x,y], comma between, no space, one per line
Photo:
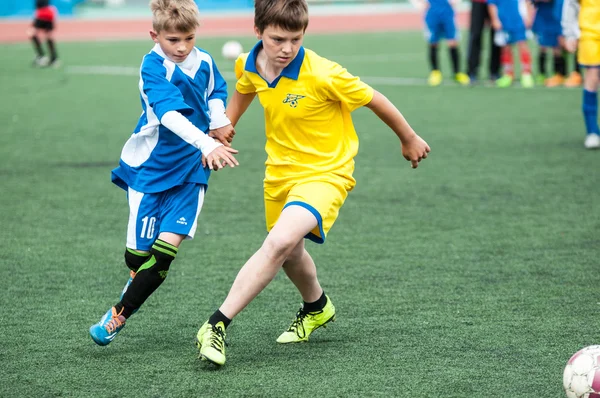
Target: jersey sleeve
[346,88]
[570,19]
[217,99]
[243,85]
[162,95]
[220,87]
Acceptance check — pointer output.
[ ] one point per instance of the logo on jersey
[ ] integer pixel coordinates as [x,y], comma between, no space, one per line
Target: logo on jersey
[182,221]
[293,99]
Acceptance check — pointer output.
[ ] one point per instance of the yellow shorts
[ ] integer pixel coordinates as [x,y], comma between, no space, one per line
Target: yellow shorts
[322,195]
[588,52]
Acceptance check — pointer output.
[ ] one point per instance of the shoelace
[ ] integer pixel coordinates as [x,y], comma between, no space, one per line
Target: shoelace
[113,324]
[217,338]
[297,325]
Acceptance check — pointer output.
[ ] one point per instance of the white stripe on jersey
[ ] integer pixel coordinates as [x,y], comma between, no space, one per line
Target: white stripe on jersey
[134,198]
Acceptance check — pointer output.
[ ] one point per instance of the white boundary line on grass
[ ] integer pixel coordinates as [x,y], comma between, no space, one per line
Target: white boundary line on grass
[135,71]
[374,80]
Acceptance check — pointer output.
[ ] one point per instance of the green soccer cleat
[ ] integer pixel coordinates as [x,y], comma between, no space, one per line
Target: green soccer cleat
[504,81]
[462,79]
[210,340]
[540,80]
[527,80]
[435,78]
[306,323]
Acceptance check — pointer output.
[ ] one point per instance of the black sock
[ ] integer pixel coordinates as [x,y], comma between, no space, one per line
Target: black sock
[433,59]
[559,64]
[542,62]
[315,306]
[149,277]
[37,46]
[52,49]
[219,317]
[576,66]
[454,58]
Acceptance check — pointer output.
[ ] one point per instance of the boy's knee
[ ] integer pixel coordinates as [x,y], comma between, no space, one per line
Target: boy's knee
[134,259]
[279,247]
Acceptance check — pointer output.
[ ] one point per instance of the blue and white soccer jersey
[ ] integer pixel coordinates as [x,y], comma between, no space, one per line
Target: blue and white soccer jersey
[511,19]
[161,170]
[439,22]
[546,25]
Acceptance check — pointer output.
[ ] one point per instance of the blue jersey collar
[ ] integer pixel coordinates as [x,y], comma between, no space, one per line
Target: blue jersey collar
[291,71]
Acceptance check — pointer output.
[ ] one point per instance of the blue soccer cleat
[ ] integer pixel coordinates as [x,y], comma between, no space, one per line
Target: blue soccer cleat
[106,330]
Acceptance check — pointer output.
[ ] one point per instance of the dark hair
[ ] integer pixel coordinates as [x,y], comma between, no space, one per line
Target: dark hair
[42,3]
[291,15]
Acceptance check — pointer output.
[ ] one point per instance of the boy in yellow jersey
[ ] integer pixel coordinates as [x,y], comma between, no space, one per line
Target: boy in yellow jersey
[581,20]
[311,144]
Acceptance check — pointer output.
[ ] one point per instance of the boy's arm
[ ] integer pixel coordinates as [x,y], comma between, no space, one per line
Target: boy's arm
[220,126]
[235,109]
[570,24]
[170,108]
[238,105]
[494,19]
[414,148]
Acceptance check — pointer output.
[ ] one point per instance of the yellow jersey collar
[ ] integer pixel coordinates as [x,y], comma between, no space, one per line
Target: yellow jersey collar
[291,71]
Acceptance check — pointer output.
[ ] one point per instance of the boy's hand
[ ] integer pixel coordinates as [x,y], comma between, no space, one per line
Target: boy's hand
[571,45]
[223,134]
[497,25]
[414,150]
[219,158]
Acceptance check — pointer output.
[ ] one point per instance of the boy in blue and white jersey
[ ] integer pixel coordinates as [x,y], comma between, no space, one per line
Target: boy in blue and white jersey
[440,24]
[165,165]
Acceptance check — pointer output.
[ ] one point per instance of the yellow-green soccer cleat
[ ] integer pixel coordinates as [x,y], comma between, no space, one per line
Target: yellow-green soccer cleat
[504,81]
[527,80]
[306,323]
[462,79]
[435,78]
[210,340]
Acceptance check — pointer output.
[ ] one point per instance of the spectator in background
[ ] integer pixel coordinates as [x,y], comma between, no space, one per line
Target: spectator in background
[582,33]
[509,30]
[546,26]
[479,17]
[43,27]
[440,24]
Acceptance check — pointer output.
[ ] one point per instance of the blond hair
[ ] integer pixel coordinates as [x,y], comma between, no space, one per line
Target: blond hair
[290,15]
[174,15]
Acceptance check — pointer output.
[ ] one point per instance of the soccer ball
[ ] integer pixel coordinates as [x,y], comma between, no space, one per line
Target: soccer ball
[231,50]
[581,378]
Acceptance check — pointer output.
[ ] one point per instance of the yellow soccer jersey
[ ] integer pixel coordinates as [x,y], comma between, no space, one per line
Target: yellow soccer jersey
[307,115]
[589,19]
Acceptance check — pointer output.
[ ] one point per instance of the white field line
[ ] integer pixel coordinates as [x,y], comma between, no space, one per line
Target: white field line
[135,71]
[229,75]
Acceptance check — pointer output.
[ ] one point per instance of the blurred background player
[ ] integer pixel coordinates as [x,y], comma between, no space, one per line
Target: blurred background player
[42,28]
[575,79]
[165,165]
[547,28]
[581,20]
[509,29]
[440,24]
[479,17]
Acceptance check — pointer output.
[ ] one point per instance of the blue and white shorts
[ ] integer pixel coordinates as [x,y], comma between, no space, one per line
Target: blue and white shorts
[175,210]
